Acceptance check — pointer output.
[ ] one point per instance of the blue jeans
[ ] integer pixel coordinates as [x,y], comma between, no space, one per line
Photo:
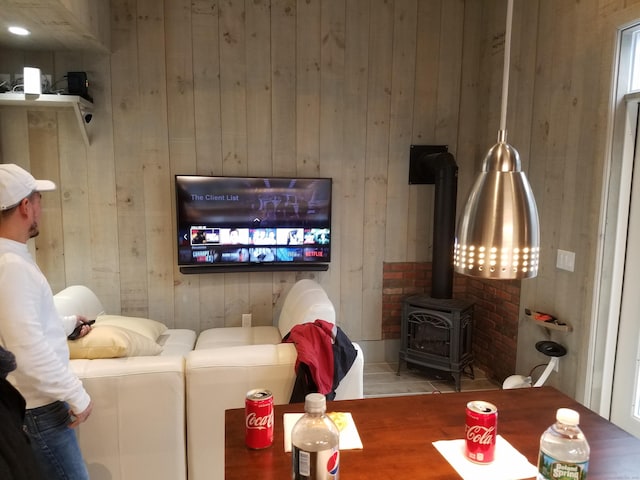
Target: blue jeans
[54,443]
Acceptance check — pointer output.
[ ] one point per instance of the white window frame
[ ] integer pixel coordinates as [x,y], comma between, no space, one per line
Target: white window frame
[612,232]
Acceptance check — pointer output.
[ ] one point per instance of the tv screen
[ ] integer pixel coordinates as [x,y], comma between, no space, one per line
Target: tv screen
[252,223]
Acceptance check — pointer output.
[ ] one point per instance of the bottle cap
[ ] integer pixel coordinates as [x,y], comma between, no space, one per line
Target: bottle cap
[315,403]
[568,416]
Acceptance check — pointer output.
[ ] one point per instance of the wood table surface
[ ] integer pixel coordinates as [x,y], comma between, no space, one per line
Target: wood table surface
[397,435]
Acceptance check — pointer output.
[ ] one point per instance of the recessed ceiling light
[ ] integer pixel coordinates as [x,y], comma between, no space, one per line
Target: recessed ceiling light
[19,31]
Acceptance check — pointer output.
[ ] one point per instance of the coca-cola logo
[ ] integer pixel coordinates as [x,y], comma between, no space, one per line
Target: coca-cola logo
[481,435]
[254,422]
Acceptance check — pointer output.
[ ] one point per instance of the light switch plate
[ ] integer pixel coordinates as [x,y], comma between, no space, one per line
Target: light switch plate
[566,260]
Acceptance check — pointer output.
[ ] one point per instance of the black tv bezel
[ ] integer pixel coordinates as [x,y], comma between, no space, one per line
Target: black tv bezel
[230,267]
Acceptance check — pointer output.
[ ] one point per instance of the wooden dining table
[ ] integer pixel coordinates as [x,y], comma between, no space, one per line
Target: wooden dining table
[397,435]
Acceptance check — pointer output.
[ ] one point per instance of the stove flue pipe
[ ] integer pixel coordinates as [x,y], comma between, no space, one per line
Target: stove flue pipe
[439,168]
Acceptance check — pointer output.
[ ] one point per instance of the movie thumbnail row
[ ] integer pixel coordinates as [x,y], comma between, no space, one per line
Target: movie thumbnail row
[203,235]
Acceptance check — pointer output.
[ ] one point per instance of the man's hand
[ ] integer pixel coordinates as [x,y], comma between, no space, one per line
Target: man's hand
[83,326]
[78,418]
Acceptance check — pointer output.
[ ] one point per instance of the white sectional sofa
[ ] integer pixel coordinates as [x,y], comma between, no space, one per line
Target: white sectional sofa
[162,417]
[137,427]
[228,362]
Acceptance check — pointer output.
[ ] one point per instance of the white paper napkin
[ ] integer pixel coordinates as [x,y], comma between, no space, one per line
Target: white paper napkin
[349,436]
[508,463]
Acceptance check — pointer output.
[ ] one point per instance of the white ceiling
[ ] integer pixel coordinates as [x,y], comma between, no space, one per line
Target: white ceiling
[53,27]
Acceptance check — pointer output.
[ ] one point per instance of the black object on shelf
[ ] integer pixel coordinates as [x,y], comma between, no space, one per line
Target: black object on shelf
[78,84]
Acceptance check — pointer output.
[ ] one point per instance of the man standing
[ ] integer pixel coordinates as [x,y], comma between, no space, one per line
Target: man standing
[32,330]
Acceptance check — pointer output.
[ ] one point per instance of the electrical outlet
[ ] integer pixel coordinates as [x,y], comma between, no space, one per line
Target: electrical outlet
[246,319]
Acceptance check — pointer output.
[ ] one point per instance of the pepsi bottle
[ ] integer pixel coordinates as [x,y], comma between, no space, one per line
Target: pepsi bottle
[314,443]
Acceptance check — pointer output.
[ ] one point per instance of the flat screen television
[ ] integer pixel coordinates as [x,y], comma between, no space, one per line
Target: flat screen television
[227,224]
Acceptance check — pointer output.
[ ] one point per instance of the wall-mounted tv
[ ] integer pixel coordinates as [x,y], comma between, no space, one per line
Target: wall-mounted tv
[228,224]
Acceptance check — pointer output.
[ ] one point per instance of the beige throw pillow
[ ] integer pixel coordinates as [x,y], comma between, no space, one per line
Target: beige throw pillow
[143,326]
[108,341]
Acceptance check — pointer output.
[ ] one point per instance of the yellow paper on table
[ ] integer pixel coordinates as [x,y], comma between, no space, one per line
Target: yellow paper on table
[349,436]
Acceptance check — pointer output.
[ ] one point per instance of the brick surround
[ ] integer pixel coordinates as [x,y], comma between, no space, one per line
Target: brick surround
[496,307]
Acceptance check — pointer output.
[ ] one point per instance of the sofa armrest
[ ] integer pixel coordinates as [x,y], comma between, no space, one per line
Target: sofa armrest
[219,379]
[136,429]
[233,371]
[78,300]
[305,302]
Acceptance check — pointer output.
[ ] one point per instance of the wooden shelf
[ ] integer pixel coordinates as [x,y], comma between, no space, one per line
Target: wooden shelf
[75,102]
[551,326]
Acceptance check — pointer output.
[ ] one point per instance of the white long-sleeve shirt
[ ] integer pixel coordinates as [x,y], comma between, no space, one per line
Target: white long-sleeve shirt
[32,329]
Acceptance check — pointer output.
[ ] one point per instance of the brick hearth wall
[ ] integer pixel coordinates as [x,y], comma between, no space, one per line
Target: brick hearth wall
[495,313]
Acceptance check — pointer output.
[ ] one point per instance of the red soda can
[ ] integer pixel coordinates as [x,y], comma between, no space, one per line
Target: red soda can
[258,414]
[480,431]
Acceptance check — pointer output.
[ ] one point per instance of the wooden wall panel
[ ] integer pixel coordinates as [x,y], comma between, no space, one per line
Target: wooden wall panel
[180,42]
[101,183]
[43,154]
[156,172]
[74,194]
[280,92]
[419,241]
[14,135]
[400,121]
[376,166]
[202,296]
[233,91]
[127,133]
[271,145]
[351,202]
[332,123]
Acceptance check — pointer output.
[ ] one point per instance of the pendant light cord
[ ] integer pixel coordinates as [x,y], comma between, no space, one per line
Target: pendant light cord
[505,73]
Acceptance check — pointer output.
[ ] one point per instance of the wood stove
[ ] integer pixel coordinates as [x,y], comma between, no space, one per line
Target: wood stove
[436,331]
[437,334]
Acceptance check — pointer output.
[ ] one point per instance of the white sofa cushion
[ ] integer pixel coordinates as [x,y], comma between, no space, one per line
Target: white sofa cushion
[177,341]
[235,336]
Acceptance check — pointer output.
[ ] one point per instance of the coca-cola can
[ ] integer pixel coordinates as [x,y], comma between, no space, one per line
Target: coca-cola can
[480,431]
[258,414]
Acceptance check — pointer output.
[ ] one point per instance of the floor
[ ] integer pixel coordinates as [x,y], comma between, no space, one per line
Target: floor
[381,380]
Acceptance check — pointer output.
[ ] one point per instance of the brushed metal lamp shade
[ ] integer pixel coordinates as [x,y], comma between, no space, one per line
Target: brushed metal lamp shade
[498,235]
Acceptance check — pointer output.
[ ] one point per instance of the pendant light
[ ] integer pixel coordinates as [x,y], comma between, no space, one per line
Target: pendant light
[498,235]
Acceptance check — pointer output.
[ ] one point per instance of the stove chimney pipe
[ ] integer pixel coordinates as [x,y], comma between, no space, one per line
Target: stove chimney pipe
[435,165]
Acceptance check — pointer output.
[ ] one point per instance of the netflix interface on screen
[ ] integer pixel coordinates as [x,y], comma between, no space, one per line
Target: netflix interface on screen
[252,220]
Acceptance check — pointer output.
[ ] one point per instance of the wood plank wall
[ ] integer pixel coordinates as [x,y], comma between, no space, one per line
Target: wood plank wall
[337,88]
[312,88]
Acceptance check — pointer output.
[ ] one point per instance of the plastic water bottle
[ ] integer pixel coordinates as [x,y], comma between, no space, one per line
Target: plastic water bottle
[564,451]
[314,442]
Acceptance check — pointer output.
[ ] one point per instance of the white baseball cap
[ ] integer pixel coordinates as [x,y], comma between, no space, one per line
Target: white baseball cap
[16,183]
